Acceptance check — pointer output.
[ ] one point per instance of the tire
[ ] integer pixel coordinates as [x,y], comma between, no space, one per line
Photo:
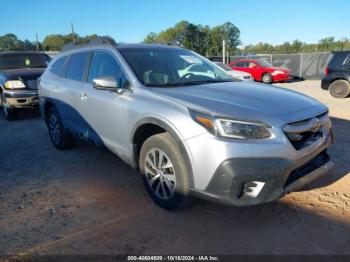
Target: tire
[58,136]
[266,78]
[339,89]
[170,185]
[10,114]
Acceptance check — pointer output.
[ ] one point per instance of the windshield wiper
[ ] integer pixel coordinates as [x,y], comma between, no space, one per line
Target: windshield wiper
[202,82]
[165,85]
[209,81]
[38,66]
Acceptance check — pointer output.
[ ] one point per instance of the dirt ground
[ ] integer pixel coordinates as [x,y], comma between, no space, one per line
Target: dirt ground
[87,201]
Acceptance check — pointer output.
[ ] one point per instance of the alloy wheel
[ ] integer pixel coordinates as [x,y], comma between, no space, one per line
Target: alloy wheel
[266,78]
[160,174]
[55,130]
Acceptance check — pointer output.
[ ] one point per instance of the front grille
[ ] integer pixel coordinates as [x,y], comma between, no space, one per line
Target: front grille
[313,164]
[304,139]
[304,133]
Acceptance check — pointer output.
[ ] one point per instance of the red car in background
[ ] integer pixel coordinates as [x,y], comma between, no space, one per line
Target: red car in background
[262,70]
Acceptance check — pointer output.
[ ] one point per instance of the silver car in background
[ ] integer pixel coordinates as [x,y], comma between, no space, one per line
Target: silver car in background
[191,134]
[239,75]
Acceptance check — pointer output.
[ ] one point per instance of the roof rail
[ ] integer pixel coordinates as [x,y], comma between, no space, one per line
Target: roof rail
[96,41]
[174,44]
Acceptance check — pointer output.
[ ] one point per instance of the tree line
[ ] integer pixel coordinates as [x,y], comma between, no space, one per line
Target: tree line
[201,39]
[204,40]
[208,41]
[324,45]
[54,42]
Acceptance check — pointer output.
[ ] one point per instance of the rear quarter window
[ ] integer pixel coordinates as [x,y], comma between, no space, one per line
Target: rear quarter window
[57,66]
[76,66]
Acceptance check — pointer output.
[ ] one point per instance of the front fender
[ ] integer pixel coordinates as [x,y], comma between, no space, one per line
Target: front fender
[168,127]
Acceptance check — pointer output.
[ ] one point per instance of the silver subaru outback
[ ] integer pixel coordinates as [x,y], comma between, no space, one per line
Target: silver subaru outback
[184,124]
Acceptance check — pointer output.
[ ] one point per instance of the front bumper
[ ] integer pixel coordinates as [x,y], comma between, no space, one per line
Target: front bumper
[264,173]
[22,98]
[282,77]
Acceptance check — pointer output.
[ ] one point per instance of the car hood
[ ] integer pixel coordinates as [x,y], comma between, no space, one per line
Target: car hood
[242,100]
[23,73]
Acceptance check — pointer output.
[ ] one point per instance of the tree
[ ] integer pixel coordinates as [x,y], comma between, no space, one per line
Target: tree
[10,42]
[201,39]
[151,38]
[228,32]
[54,42]
[326,44]
[297,46]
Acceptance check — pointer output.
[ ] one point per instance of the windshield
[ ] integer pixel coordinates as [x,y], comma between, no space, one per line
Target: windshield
[168,67]
[12,61]
[223,66]
[264,63]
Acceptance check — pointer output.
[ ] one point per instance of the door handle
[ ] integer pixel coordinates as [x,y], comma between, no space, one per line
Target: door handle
[56,88]
[83,96]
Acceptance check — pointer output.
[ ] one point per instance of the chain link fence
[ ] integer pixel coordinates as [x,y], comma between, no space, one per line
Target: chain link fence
[303,65]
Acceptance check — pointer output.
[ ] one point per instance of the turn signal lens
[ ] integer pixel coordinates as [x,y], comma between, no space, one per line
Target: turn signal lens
[204,120]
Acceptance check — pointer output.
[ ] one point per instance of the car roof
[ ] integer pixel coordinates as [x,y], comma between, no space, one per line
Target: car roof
[19,53]
[244,60]
[340,52]
[146,46]
[72,48]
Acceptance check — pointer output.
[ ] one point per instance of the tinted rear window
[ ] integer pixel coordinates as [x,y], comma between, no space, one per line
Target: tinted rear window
[56,68]
[76,66]
[30,60]
[338,60]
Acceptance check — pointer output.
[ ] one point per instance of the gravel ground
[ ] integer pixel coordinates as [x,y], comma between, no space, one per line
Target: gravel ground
[87,201]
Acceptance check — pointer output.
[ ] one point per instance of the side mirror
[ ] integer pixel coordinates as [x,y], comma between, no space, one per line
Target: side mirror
[107,83]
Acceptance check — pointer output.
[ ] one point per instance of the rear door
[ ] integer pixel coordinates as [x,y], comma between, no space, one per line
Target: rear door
[253,69]
[65,91]
[105,110]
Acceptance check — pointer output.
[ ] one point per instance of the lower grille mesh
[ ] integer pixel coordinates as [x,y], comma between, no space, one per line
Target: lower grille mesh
[310,166]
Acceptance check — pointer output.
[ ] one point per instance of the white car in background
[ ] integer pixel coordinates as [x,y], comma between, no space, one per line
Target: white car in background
[234,73]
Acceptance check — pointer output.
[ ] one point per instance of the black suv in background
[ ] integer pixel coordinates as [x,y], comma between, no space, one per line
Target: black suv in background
[19,71]
[337,79]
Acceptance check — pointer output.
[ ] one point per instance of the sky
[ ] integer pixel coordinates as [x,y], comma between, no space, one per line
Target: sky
[272,21]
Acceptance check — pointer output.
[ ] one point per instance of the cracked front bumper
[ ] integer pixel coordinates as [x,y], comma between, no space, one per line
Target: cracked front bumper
[243,181]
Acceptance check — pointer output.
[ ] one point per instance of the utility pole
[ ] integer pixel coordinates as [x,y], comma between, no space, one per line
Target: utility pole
[223,51]
[73,34]
[37,42]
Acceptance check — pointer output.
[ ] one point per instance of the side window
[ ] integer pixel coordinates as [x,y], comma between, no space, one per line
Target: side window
[56,68]
[347,60]
[104,64]
[240,64]
[76,66]
[252,65]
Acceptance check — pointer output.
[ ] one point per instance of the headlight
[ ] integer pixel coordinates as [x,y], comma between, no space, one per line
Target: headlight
[13,84]
[242,129]
[231,128]
[277,72]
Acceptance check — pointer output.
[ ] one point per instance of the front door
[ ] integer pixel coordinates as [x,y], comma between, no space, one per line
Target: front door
[104,110]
